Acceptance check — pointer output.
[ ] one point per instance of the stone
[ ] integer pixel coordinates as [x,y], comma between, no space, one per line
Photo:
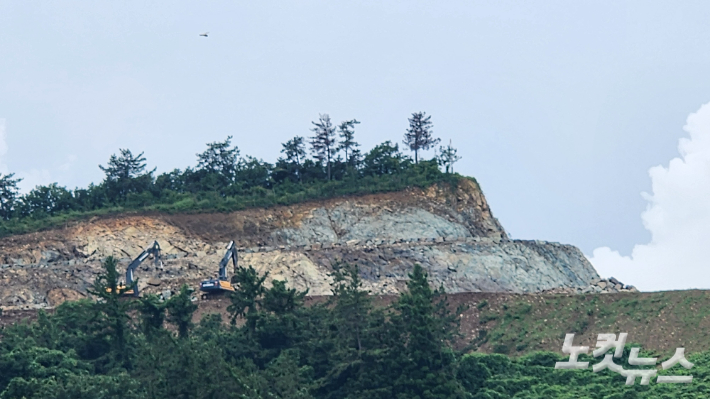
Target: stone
[154,281]
[57,296]
[50,256]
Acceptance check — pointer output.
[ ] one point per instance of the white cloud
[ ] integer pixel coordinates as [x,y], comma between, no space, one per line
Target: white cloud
[678,217]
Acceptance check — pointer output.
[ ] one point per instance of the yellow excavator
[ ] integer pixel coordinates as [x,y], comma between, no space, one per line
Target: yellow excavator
[152,250]
[221,283]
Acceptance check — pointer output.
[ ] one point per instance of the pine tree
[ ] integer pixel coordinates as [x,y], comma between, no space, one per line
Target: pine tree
[323,144]
[352,306]
[350,333]
[424,331]
[126,166]
[419,135]
[8,195]
[248,294]
[180,309]
[126,174]
[152,311]
[114,310]
[295,151]
[448,157]
[347,140]
[220,158]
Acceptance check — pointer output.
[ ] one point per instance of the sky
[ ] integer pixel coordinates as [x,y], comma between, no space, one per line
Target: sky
[583,121]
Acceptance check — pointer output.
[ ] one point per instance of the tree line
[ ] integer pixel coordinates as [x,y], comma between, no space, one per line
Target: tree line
[273,345]
[223,179]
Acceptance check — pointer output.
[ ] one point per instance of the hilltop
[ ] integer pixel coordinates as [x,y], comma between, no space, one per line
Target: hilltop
[448,229]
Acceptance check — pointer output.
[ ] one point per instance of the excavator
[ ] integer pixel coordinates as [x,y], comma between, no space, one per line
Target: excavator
[152,250]
[221,283]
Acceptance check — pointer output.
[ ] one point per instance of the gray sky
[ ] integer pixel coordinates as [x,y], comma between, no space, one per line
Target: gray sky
[559,108]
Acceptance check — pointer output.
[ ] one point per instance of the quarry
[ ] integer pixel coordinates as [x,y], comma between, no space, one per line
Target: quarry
[452,233]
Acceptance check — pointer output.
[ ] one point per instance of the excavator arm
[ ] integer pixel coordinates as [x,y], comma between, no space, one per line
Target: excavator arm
[230,254]
[152,250]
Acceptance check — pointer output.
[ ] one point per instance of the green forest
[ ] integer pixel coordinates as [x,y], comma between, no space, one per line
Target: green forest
[224,180]
[273,345]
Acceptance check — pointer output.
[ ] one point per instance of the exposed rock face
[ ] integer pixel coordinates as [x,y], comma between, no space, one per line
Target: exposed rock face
[451,233]
[598,286]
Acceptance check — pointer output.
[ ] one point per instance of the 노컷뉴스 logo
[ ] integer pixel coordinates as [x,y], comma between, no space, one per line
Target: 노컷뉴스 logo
[605,342]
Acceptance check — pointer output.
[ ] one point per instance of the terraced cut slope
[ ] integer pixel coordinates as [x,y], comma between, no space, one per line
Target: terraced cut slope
[450,232]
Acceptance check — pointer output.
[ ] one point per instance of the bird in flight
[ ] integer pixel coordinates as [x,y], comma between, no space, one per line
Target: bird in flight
[204,34]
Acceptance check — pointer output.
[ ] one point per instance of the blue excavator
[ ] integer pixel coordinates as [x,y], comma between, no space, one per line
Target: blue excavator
[221,283]
[152,250]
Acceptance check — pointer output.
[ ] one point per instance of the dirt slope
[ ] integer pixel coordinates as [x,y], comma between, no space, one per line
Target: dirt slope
[450,232]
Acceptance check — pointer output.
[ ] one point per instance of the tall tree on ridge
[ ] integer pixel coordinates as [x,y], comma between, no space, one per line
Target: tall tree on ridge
[323,144]
[220,158]
[419,135]
[126,166]
[347,139]
[448,157]
[8,195]
[126,174]
[295,151]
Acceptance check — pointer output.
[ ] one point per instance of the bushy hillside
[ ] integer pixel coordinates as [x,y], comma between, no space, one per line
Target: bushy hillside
[224,180]
[518,324]
[268,344]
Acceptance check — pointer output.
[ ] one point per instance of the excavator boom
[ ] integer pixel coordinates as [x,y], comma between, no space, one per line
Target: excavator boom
[221,283]
[152,250]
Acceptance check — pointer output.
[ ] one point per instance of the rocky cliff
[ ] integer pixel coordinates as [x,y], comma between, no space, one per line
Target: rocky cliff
[449,231]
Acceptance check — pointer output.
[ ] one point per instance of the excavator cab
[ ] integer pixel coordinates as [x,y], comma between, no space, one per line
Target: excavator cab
[133,292]
[221,283]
